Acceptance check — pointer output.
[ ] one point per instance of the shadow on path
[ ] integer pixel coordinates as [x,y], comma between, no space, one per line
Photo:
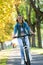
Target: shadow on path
[14,58]
[37,60]
[14,61]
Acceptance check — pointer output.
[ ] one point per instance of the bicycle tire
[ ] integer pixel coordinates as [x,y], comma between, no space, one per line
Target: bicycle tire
[27,57]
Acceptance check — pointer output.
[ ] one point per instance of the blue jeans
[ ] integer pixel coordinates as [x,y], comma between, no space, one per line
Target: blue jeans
[21,46]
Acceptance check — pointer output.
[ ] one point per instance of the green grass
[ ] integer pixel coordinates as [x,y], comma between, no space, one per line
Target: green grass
[37,50]
[4,56]
[3,61]
[33,48]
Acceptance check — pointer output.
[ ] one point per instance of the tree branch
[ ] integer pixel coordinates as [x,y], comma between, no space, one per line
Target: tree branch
[35,8]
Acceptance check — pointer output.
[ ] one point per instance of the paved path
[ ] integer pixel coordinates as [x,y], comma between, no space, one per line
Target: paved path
[37,59]
[15,59]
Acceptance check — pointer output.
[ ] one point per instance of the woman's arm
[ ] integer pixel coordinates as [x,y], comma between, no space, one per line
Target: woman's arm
[12,35]
[15,31]
[28,28]
[32,32]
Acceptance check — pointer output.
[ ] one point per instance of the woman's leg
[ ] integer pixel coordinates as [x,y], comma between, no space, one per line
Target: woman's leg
[21,48]
[28,45]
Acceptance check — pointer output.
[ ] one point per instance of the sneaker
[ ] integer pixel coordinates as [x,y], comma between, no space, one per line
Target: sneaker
[22,62]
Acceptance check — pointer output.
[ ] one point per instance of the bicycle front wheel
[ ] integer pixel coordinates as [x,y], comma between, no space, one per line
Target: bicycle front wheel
[27,57]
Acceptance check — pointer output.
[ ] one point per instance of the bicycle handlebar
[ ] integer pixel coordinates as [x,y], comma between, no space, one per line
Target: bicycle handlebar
[23,35]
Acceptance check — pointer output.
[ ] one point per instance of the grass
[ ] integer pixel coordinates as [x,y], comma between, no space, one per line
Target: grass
[3,61]
[37,50]
[4,56]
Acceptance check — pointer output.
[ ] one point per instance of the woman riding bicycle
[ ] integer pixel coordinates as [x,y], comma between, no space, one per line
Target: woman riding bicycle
[21,28]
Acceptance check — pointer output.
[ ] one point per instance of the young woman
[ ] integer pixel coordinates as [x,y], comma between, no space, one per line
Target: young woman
[22,28]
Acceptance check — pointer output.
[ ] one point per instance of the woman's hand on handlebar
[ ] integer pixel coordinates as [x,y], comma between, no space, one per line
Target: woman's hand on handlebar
[13,35]
[32,32]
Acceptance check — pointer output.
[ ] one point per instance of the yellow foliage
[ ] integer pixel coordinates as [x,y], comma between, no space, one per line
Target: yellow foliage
[7,18]
[17,2]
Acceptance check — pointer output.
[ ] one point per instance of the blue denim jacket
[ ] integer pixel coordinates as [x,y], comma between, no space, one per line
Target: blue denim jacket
[25,26]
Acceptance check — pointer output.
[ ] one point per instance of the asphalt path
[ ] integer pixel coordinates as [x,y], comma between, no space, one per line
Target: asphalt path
[15,59]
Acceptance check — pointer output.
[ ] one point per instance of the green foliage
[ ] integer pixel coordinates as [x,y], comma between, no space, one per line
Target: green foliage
[40,4]
[22,9]
[41,26]
[32,16]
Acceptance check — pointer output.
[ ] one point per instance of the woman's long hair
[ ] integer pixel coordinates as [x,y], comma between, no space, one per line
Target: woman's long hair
[22,19]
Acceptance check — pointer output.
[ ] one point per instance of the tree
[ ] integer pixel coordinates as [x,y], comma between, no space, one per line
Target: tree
[39,17]
[6,20]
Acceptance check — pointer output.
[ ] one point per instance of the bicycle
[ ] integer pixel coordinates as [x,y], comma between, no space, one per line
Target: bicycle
[26,52]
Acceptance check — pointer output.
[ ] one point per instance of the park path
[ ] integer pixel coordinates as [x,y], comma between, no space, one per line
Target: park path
[15,59]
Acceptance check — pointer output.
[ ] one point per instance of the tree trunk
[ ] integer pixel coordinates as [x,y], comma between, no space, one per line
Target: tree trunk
[33,37]
[17,9]
[38,15]
[2,47]
[38,32]
[28,13]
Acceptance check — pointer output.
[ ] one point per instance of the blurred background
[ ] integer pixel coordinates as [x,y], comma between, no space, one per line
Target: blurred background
[31,10]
